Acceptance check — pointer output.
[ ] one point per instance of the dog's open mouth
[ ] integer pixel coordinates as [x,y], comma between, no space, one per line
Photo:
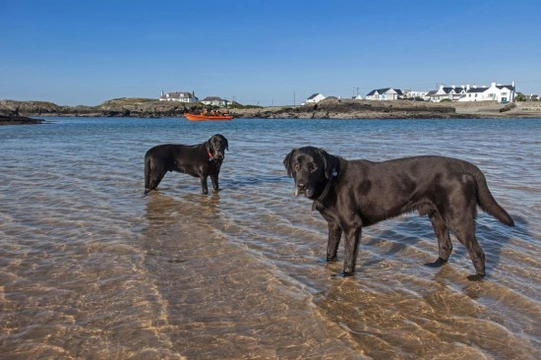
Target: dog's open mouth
[308,192]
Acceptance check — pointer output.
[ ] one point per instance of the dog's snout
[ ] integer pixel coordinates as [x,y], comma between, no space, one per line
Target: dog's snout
[301,185]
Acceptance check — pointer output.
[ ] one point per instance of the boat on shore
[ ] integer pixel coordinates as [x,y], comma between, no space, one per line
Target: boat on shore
[203,117]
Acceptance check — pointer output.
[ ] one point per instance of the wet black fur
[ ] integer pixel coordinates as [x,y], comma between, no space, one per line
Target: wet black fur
[357,193]
[201,160]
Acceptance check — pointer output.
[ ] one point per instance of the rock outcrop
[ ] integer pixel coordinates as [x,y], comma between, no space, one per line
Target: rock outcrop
[18,120]
[326,109]
[354,109]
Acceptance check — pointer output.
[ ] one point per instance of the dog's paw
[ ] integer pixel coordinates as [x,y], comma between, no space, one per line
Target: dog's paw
[341,275]
[476,277]
[436,264]
[332,258]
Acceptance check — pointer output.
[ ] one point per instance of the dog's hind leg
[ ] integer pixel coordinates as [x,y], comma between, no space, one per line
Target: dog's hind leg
[445,247]
[465,233]
[154,180]
[461,220]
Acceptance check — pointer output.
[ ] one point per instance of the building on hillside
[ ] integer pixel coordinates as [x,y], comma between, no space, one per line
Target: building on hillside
[384,94]
[180,96]
[216,101]
[496,92]
[315,98]
[415,94]
[451,93]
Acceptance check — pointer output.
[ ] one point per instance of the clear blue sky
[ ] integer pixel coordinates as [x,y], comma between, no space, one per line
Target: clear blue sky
[74,52]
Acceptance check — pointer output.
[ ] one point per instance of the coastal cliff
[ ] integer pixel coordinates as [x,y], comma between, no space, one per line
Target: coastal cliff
[326,109]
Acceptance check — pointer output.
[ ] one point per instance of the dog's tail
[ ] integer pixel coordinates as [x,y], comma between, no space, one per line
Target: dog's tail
[487,202]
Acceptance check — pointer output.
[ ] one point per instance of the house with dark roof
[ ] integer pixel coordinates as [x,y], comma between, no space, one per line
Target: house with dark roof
[215,101]
[315,98]
[452,93]
[384,94]
[495,92]
[180,96]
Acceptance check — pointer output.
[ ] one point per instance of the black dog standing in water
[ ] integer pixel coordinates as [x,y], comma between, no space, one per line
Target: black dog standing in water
[353,194]
[202,160]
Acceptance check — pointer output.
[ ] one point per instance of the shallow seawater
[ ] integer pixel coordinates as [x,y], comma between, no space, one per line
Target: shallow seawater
[89,268]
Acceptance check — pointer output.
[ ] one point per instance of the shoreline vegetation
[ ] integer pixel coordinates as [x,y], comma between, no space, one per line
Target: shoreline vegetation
[31,112]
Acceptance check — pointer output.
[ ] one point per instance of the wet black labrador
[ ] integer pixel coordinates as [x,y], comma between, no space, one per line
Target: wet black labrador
[357,193]
[201,160]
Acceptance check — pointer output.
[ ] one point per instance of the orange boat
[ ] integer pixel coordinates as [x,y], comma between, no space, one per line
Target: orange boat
[202,117]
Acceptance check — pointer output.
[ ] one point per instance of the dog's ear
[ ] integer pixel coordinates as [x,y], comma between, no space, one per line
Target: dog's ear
[226,144]
[287,162]
[330,164]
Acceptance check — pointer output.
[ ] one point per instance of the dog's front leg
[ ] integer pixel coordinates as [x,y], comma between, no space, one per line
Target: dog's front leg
[335,233]
[204,185]
[214,179]
[353,237]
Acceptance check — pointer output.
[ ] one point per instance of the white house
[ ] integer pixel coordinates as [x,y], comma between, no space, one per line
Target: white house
[215,101]
[384,94]
[184,97]
[452,93]
[415,94]
[315,98]
[496,92]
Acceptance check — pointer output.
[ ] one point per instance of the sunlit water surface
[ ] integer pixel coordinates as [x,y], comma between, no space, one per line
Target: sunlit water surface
[91,269]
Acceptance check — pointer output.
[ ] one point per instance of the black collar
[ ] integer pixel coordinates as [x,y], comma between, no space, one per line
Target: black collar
[325,190]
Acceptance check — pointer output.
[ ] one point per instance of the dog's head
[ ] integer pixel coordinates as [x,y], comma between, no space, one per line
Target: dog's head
[216,147]
[311,168]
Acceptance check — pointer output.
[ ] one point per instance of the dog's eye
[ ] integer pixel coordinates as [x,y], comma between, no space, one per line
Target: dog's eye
[312,167]
[296,166]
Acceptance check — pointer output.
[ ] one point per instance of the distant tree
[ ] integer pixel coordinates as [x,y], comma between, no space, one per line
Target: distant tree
[520,97]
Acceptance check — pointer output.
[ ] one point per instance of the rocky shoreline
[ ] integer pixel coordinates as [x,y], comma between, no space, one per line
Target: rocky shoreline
[18,120]
[21,112]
